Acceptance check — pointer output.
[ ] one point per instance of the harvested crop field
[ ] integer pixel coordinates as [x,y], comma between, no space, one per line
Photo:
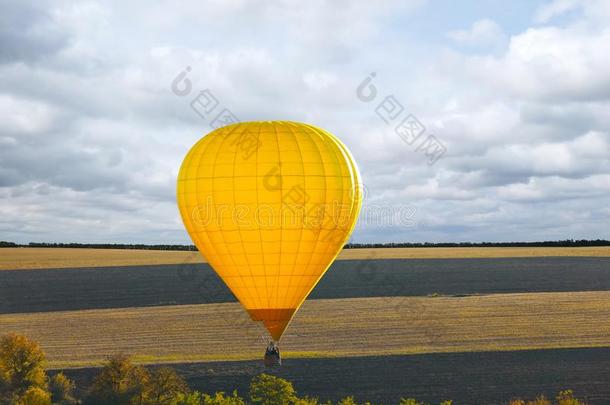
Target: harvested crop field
[456,325]
[50,258]
[324,328]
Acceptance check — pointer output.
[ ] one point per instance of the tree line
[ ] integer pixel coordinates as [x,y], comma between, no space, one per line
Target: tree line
[548,243]
[135,246]
[24,381]
[140,246]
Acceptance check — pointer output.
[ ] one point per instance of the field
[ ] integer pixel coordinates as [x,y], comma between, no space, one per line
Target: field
[49,258]
[324,328]
[468,378]
[473,325]
[196,283]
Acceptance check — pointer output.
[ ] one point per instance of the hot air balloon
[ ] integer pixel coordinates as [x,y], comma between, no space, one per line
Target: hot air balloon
[269,205]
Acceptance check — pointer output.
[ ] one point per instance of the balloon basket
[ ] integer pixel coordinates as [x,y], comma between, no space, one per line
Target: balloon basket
[272,357]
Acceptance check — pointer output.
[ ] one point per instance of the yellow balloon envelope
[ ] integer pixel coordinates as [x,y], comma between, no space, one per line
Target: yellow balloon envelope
[269,205]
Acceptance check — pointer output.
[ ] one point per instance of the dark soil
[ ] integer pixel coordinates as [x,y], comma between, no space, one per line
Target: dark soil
[137,286]
[467,378]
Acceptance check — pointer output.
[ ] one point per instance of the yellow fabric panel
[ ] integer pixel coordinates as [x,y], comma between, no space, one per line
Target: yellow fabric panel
[270,205]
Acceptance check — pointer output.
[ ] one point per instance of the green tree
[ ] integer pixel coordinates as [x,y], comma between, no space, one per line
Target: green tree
[192,398]
[541,400]
[306,401]
[567,398]
[165,385]
[21,367]
[221,399]
[347,401]
[269,390]
[410,401]
[61,389]
[34,396]
[120,382]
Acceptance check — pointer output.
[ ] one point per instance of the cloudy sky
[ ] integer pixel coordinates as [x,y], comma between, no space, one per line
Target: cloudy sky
[92,135]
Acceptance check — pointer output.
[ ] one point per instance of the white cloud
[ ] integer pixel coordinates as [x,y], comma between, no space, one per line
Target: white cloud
[319,80]
[91,137]
[550,63]
[555,8]
[482,32]
[23,117]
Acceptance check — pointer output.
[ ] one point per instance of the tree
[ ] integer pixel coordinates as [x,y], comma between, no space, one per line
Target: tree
[541,400]
[193,398]
[306,401]
[61,389]
[21,367]
[120,382]
[34,396]
[347,401]
[165,385]
[269,390]
[567,398]
[410,401]
[221,399]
